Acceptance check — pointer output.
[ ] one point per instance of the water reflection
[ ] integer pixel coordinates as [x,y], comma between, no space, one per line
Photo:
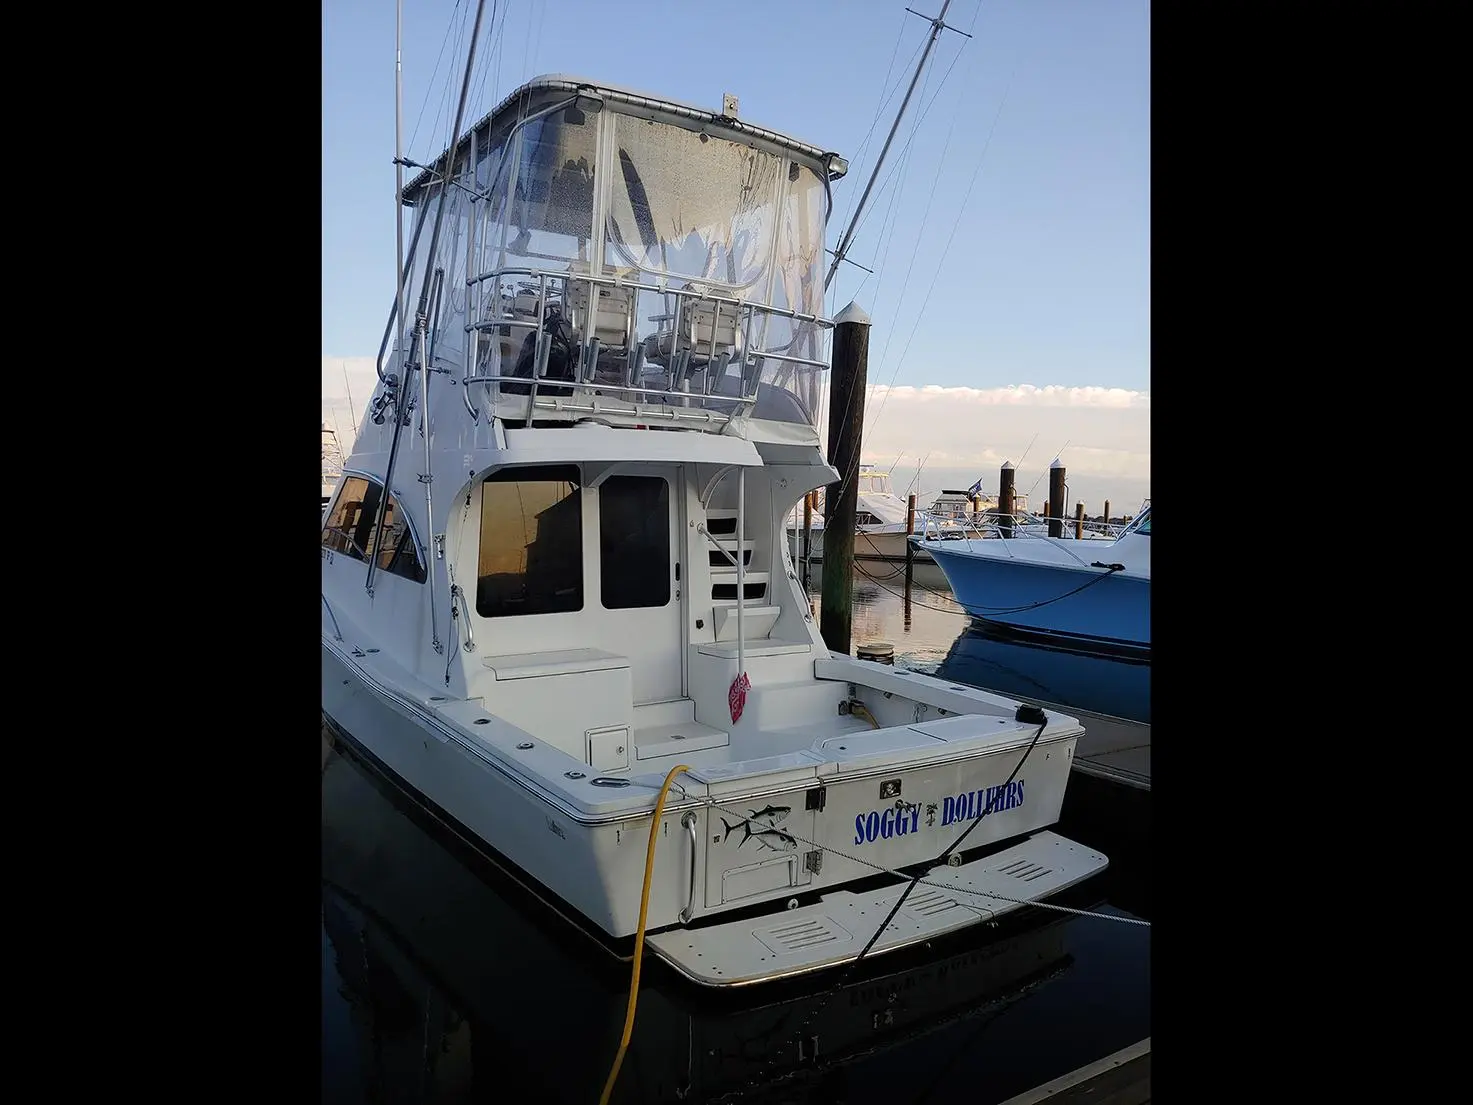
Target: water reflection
[1121,688]
[443,982]
[931,632]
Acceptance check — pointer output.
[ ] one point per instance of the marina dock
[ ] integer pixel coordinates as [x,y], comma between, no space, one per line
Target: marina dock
[1120,1079]
[1114,749]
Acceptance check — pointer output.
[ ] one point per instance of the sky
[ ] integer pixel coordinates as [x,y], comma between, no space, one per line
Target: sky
[1009,228]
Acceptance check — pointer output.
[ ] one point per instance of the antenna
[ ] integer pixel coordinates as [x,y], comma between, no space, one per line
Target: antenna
[915,481]
[399,186]
[351,409]
[1025,451]
[1057,455]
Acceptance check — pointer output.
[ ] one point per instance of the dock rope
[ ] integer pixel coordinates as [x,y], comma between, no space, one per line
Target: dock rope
[644,905]
[934,883]
[1025,713]
[918,880]
[912,882]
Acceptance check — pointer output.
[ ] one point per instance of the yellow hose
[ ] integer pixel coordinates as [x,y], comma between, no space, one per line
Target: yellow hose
[857,707]
[644,905]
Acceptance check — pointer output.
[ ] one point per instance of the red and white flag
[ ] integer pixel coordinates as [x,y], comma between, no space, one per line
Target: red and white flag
[736,698]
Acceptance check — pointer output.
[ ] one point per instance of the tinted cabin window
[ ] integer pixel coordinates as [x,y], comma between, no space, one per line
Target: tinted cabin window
[397,552]
[634,541]
[350,530]
[531,558]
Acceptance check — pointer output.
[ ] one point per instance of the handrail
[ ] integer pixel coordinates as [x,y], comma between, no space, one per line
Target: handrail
[457,594]
[602,387]
[689,822]
[545,284]
[658,289]
[1025,526]
[470,633]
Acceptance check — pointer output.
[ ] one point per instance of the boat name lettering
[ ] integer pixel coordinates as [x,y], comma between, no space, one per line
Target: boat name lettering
[903,819]
[964,807]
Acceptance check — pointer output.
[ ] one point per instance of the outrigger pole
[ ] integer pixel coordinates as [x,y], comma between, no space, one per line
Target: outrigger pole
[408,365]
[937,26]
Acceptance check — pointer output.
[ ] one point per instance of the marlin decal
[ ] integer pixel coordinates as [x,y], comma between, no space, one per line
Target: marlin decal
[766,819]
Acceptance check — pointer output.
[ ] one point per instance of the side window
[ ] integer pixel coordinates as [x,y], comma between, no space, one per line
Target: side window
[350,530]
[634,541]
[531,558]
[397,553]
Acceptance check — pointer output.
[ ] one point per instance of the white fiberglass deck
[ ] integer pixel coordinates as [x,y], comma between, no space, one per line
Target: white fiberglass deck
[835,930]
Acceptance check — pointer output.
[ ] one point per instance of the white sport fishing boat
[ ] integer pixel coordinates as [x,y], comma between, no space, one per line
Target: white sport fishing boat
[573,627]
[332,464]
[879,522]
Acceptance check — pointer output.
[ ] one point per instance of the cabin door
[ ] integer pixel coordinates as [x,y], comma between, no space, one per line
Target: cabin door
[642,581]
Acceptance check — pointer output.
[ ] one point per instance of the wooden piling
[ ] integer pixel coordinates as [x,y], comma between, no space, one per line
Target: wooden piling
[910,528]
[1079,521]
[847,380]
[1054,510]
[1107,512]
[910,556]
[1005,497]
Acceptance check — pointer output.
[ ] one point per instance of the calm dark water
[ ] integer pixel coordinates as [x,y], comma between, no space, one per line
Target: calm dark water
[932,633]
[444,982]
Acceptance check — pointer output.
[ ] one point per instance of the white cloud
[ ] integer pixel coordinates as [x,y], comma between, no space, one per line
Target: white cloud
[1102,431]
[1014,395]
[961,434]
[343,377]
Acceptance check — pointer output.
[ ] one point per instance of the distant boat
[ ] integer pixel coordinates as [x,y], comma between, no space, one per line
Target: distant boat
[332,464]
[879,521]
[1094,594]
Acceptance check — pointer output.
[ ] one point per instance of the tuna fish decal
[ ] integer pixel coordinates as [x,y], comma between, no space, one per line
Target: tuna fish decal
[761,826]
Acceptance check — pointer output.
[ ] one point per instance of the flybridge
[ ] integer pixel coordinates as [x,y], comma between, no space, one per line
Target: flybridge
[604,255]
[723,124]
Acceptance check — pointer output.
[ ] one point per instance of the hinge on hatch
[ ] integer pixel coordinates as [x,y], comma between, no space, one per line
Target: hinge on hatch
[813,860]
[815,798]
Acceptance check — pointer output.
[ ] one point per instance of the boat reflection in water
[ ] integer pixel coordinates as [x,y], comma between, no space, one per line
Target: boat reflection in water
[1116,686]
[443,981]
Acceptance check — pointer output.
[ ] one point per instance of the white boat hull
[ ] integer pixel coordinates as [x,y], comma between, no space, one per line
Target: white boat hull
[705,860]
[596,869]
[886,546]
[564,598]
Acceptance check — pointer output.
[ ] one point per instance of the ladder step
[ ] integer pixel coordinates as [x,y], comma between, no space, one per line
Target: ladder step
[728,575]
